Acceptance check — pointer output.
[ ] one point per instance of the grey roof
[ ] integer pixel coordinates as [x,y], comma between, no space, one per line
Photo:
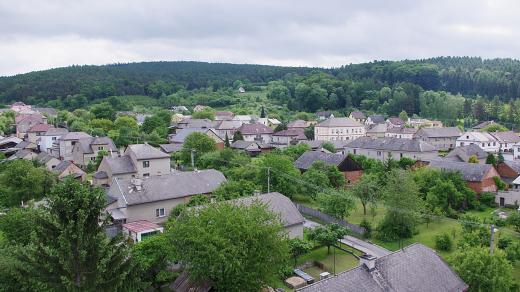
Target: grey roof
[308,158]
[170,148]
[181,134]
[277,204]
[506,137]
[20,154]
[298,133]
[74,136]
[44,157]
[377,119]
[395,121]
[358,115]
[145,151]
[402,130]
[168,186]
[56,132]
[62,166]
[377,128]
[413,268]
[254,129]
[25,144]
[470,171]
[241,144]
[298,124]
[514,165]
[483,125]
[198,123]
[463,153]
[100,174]
[390,143]
[120,165]
[314,144]
[46,110]
[339,122]
[87,143]
[229,125]
[440,132]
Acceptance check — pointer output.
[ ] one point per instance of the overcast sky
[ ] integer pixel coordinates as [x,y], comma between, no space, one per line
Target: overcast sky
[42,34]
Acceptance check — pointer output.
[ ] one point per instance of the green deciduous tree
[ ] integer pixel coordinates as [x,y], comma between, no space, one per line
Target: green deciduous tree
[491,159]
[329,147]
[482,271]
[367,190]
[70,250]
[337,203]
[328,235]
[200,143]
[404,206]
[298,247]
[103,111]
[241,254]
[283,176]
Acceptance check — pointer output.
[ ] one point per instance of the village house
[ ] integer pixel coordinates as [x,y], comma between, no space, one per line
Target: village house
[289,137]
[463,154]
[358,117]
[199,108]
[280,205]
[299,124]
[272,123]
[153,198]
[65,144]
[508,170]
[478,176]
[394,122]
[23,154]
[256,132]
[413,268]
[49,161]
[50,137]
[506,140]
[67,168]
[140,230]
[324,115]
[26,145]
[250,147]
[351,170]
[485,140]
[20,106]
[224,116]
[86,150]
[245,119]
[170,148]
[403,133]
[138,161]
[423,123]
[385,148]
[483,125]
[511,196]
[374,120]
[228,128]
[376,130]
[338,129]
[440,138]
[197,123]
[182,134]
[35,132]
[8,143]
[26,121]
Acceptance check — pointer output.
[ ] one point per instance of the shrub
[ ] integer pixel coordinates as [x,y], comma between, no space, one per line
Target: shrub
[499,183]
[443,242]
[487,199]
[368,228]
[504,242]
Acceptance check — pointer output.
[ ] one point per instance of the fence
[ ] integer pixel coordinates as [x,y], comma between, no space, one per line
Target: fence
[329,219]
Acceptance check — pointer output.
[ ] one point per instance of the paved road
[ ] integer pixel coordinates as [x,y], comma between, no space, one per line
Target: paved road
[364,246]
[354,242]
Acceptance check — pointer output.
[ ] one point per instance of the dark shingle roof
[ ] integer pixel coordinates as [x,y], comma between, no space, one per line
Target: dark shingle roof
[308,158]
[56,132]
[413,268]
[465,152]
[402,130]
[483,125]
[440,132]
[74,136]
[120,165]
[62,166]
[297,124]
[241,144]
[506,137]
[377,119]
[254,129]
[181,134]
[145,151]
[278,204]
[168,186]
[170,148]
[396,121]
[100,174]
[514,165]
[87,143]
[470,171]
[357,115]
[295,132]
[392,144]
[44,157]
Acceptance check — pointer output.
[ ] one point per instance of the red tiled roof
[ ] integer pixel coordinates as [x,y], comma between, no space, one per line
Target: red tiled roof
[40,128]
[141,225]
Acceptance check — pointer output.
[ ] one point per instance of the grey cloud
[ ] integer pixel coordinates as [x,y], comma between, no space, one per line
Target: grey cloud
[41,34]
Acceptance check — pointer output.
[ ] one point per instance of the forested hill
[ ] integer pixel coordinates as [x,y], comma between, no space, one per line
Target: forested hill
[468,76]
[135,79]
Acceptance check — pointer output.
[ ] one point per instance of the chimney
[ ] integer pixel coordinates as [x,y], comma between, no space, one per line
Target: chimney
[369,261]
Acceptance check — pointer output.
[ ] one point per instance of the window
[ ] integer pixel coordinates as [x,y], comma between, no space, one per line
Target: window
[146,175]
[53,138]
[354,151]
[92,158]
[378,153]
[146,164]
[100,148]
[400,155]
[483,144]
[159,212]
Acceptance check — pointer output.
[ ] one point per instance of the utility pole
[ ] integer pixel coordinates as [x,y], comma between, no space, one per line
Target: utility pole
[492,239]
[193,159]
[334,246]
[268,180]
